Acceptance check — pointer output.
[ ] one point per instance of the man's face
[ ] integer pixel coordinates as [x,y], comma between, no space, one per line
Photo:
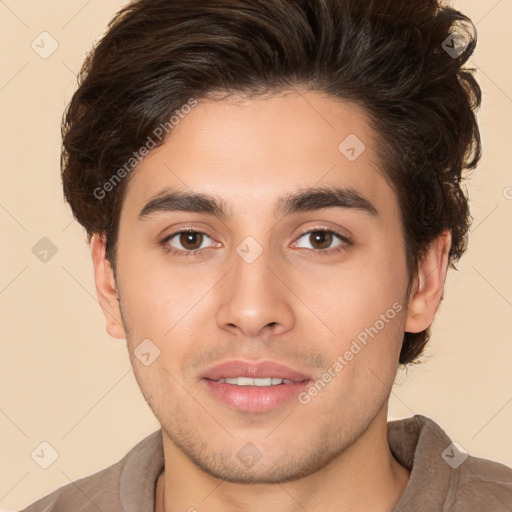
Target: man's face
[264,285]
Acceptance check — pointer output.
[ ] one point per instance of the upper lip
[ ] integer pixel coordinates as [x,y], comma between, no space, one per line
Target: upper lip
[261,369]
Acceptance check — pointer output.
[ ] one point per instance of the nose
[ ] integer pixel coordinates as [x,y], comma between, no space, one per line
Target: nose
[255,301]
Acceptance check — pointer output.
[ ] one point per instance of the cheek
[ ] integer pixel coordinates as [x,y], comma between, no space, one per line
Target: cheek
[166,304]
[354,294]
[361,303]
[362,367]
[149,284]
[146,304]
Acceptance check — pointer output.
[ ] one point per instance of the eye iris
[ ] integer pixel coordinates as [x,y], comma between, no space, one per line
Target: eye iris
[189,239]
[321,239]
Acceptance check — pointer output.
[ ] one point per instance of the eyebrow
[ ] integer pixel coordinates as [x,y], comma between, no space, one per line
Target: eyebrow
[310,199]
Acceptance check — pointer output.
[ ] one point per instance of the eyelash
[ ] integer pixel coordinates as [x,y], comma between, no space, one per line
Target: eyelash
[197,252]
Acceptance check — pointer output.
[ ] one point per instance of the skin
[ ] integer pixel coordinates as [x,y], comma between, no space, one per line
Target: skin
[292,305]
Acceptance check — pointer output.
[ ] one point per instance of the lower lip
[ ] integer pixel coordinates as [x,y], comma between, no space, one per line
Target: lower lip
[254,398]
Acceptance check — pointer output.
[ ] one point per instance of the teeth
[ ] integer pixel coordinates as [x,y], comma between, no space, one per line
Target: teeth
[248,381]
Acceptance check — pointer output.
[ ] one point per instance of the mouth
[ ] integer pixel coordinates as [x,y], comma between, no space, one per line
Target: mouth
[253,387]
[259,382]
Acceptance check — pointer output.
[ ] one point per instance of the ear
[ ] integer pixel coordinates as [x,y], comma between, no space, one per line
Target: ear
[428,284]
[106,288]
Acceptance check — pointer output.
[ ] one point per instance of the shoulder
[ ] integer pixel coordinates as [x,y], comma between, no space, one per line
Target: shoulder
[482,485]
[443,476]
[109,488]
[83,495]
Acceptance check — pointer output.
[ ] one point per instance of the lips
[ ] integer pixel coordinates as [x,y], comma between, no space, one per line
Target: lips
[261,370]
[255,397]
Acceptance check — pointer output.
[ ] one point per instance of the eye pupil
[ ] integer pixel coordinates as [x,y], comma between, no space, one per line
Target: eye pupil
[322,238]
[189,240]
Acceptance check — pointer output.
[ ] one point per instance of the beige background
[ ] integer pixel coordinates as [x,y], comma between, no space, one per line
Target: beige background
[66,382]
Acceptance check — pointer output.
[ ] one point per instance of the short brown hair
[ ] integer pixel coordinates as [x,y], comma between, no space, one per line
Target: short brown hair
[401,60]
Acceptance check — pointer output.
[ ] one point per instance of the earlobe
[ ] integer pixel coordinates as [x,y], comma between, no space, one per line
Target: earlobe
[428,285]
[106,288]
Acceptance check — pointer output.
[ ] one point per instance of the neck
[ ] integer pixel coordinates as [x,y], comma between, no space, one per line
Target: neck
[365,476]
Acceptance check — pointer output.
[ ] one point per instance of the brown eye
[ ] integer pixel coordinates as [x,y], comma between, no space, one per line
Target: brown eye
[191,240]
[187,242]
[322,242]
[320,239]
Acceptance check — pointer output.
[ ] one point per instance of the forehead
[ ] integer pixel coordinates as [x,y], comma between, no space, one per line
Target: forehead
[261,149]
